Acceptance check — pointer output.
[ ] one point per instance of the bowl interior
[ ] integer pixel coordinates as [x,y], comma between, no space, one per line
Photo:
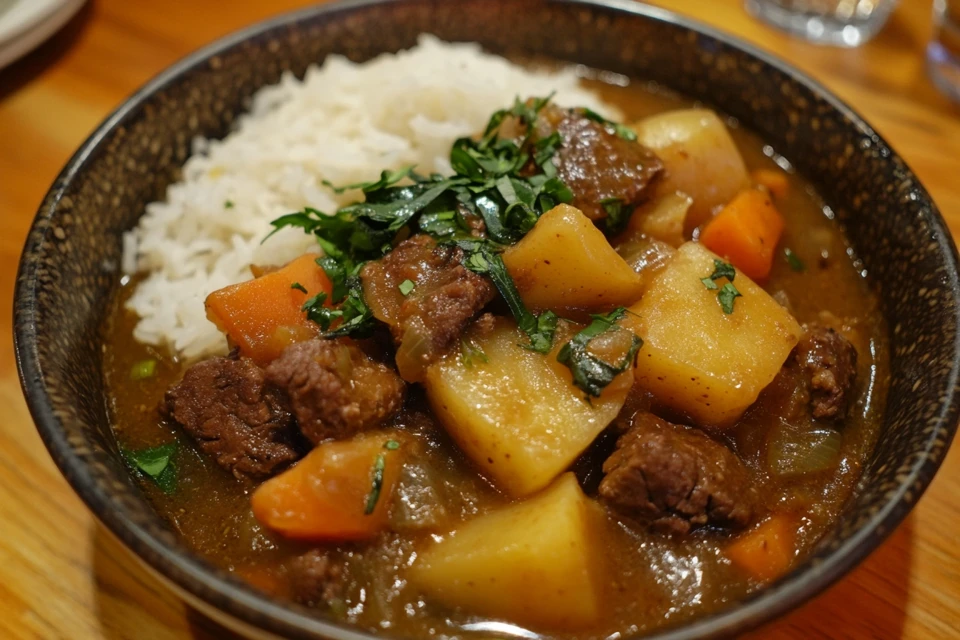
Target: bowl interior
[69,269]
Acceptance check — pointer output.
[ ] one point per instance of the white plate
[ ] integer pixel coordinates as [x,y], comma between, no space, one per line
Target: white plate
[25,24]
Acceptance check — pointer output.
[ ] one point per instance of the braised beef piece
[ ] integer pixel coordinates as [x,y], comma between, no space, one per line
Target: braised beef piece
[227,406]
[315,579]
[676,478]
[829,362]
[335,390]
[444,300]
[597,164]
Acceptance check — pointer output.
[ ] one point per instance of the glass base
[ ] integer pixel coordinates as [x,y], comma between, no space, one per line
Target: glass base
[944,69]
[817,28]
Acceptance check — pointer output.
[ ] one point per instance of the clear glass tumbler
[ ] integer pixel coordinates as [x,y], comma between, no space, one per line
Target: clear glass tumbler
[943,52]
[846,23]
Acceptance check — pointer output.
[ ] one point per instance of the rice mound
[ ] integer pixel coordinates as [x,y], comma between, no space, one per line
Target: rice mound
[343,123]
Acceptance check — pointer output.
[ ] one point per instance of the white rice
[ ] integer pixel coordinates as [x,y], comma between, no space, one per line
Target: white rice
[343,123]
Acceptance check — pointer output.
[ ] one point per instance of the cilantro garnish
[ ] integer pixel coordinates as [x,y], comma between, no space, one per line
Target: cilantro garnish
[299,287]
[482,257]
[793,260]
[376,479]
[155,463]
[590,373]
[728,293]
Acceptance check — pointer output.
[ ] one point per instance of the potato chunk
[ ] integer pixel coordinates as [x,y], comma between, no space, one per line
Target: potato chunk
[518,416]
[699,156]
[698,360]
[530,562]
[566,262]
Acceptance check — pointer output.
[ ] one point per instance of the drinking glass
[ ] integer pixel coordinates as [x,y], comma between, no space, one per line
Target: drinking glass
[943,52]
[846,23]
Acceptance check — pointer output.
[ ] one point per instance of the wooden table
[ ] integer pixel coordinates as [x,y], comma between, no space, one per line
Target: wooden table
[61,574]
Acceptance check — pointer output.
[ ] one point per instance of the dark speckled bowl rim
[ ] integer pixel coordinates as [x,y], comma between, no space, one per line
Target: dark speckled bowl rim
[189,574]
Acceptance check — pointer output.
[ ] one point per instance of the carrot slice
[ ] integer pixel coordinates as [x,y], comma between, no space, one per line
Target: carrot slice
[776,182]
[767,551]
[340,491]
[746,232]
[263,316]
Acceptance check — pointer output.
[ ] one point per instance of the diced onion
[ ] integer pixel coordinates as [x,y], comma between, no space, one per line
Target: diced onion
[795,451]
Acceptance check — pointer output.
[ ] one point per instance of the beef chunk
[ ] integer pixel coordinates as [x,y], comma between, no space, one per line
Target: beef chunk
[226,405]
[334,388]
[315,579]
[597,164]
[445,298]
[829,362]
[676,478]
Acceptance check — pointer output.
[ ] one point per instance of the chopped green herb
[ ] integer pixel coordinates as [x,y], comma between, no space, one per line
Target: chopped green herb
[471,353]
[228,204]
[617,215]
[590,373]
[482,257]
[387,179]
[376,484]
[621,130]
[315,310]
[722,269]
[376,479]
[406,287]
[156,463]
[144,369]
[299,287]
[793,260]
[727,295]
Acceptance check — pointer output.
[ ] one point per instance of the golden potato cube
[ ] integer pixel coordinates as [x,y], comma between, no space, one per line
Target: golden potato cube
[698,360]
[700,158]
[566,262]
[518,416]
[530,562]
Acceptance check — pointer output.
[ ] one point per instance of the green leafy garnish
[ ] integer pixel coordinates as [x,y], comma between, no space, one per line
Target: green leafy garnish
[387,179]
[471,353]
[376,477]
[728,293]
[406,287]
[144,369]
[228,204]
[299,287]
[482,257]
[621,130]
[793,260]
[618,215]
[156,463]
[721,270]
[590,373]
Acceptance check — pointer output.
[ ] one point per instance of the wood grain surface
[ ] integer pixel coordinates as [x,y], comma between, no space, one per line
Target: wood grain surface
[63,576]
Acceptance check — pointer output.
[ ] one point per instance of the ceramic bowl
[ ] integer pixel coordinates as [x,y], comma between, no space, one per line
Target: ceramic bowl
[69,269]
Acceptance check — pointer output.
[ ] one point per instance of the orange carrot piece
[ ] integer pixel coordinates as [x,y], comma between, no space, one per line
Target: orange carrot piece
[331,494]
[776,182]
[767,551]
[263,316]
[746,232]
